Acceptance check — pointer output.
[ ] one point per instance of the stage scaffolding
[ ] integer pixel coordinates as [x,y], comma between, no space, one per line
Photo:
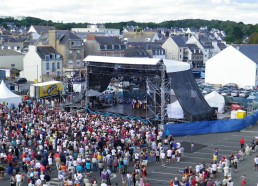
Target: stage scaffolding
[149,72]
[158,89]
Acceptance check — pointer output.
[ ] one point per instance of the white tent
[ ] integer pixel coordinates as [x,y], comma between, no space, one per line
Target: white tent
[175,111]
[93,93]
[7,97]
[214,99]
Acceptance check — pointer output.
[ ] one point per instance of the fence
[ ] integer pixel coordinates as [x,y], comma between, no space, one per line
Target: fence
[209,127]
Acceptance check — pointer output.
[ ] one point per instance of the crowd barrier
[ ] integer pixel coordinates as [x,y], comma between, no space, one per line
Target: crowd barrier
[209,127]
[127,117]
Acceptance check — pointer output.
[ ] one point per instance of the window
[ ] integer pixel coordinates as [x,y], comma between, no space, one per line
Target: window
[180,50]
[47,57]
[70,62]
[58,65]
[53,67]
[58,73]
[47,73]
[70,51]
[78,51]
[12,65]
[47,66]
[78,62]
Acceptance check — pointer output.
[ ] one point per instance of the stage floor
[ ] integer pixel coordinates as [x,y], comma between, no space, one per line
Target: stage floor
[126,109]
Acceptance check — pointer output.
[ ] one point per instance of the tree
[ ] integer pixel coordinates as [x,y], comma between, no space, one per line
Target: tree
[253,39]
[4,24]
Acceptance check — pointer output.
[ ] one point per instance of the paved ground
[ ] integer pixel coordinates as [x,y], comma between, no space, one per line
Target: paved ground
[227,143]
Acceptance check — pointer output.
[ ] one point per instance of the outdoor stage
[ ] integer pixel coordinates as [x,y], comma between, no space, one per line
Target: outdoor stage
[126,109]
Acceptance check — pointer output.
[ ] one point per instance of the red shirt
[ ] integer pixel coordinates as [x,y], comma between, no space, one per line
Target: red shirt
[9,158]
[242,141]
[243,182]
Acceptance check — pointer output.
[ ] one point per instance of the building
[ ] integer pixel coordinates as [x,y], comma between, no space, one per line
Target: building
[10,59]
[104,46]
[36,31]
[42,63]
[235,64]
[98,28]
[140,37]
[136,52]
[176,49]
[154,49]
[195,56]
[204,44]
[70,47]
[12,43]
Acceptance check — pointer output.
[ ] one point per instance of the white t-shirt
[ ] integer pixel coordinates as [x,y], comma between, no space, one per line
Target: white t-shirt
[18,178]
[162,155]
[214,167]
[169,153]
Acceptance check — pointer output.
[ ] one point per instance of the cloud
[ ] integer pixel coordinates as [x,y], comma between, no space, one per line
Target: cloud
[97,11]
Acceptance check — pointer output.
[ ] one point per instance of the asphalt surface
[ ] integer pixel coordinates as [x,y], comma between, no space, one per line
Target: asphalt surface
[226,143]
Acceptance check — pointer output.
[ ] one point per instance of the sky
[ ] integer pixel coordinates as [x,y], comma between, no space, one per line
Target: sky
[102,11]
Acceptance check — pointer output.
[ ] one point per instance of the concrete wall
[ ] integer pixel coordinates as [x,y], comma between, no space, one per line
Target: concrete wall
[8,61]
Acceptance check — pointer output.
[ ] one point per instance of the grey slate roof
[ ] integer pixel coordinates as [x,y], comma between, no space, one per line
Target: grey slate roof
[43,29]
[136,52]
[221,46]
[145,45]
[205,42]
[64,36]
[179,41]
[192,47]
[45,50]
[9,53]
[250,51]
[103,40]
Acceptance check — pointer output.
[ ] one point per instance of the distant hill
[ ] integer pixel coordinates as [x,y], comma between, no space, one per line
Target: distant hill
[236,32]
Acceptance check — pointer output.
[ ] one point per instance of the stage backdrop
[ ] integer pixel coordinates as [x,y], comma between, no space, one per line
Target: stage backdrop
[208,127]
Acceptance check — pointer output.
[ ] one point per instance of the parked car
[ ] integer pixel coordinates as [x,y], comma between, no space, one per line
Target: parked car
[244,93]
[248,87]
[231,85]
[234,93]
[226,93]
[222,89]
[20,80]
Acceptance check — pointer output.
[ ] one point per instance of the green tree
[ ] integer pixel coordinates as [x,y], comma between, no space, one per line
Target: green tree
[253,39]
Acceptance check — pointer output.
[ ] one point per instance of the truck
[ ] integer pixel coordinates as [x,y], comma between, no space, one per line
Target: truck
[46,89]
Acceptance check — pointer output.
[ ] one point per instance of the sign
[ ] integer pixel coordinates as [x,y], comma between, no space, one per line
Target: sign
[16,88]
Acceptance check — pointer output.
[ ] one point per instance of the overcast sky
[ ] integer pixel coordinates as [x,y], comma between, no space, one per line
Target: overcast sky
[101,11]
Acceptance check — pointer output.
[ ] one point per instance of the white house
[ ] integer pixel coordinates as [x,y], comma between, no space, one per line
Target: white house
[42,63]
[233,65]
[204,44]
[176,49]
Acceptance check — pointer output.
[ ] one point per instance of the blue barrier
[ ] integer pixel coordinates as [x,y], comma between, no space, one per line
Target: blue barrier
[107,114]
[209,127]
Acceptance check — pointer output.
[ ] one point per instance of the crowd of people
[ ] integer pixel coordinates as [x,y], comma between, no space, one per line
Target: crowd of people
[85,149]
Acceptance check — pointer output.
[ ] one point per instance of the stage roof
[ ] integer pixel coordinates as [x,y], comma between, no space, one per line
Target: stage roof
[175,66]
[171,65]
[123,60]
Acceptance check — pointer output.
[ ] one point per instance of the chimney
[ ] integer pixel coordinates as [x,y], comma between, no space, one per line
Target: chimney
[52,36]
[91,38]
